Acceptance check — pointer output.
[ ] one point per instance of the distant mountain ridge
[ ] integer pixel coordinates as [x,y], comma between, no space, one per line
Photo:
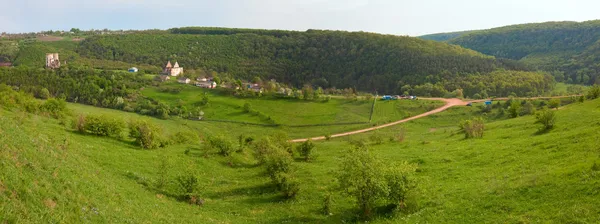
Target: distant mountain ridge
[570,50]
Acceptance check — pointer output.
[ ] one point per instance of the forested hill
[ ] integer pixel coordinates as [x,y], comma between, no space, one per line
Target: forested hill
[445,36]
[366,61]
[568,49]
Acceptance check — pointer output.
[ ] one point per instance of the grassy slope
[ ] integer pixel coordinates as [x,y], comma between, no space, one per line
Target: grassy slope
[296,112]
[511,175]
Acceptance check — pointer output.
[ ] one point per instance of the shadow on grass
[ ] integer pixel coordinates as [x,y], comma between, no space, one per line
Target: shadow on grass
[264,193]
[120,141]
[542,131]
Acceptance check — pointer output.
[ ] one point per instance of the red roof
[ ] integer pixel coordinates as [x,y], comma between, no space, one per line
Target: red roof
[5,64]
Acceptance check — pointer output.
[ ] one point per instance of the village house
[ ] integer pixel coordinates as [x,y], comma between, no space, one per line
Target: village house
[172,70]
[5,64]
[164,78]
[184,80]
[206,84]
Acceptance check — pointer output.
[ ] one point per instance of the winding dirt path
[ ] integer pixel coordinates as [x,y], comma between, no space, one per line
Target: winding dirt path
[449,103]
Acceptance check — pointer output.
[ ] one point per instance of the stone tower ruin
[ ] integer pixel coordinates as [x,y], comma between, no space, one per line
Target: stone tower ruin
[52,61]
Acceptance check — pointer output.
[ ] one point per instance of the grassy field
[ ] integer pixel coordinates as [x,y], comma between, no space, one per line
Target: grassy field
[288,112]
[513,174]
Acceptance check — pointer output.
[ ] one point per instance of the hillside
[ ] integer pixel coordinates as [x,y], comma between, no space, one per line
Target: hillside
[50,172]
[326,58]
[442,37]
[565,48]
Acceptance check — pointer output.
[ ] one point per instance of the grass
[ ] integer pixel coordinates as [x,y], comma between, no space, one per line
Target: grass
[512,174]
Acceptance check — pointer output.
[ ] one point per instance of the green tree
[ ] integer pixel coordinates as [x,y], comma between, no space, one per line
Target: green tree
[360,176]
[554,103]
[305,149]
[547,118]
[514,109]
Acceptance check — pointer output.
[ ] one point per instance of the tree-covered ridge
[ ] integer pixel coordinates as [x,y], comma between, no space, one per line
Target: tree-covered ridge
[441,37]
[518,41]
[342,59]
[566,49]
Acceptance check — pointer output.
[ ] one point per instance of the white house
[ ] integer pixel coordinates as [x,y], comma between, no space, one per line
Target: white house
[207,84]
[184,80]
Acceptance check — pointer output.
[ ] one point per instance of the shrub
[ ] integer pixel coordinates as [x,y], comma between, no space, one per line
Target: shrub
[472,128]
[581,99]
[223,145]
[184,137]
[514,109]
[146,134]
[366,178]
[547,118]
[103,125]
[247,107]
[44,93]
[327,204]
[400,181]
[262,149]
[305,149]
[328,137]
[55,108]
[593,92]
[188,184]
[554,103]
[401,135]
[278,166]
[79,123]
[528,109]
[376,138]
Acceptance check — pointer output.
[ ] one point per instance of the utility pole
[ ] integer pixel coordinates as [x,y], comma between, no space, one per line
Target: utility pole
[373,107]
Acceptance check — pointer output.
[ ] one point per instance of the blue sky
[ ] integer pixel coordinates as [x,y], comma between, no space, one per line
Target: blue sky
[400,17]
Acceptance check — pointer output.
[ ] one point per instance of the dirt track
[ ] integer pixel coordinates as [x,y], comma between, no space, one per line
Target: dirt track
[449,103]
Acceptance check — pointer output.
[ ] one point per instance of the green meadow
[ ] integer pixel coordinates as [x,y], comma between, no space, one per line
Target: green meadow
[514,174]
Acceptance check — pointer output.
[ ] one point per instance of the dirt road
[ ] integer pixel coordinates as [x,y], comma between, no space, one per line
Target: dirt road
[449,103]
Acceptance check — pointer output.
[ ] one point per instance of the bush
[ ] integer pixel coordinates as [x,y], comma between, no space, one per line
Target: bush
[472,128]
[593,92]
[528,109]
[146,134]
[400,181]
[279,168]
[367,179]
[223,145]
[327,137]
[305,149]
[55,108]
[44,93]
[514,109]
[401,135]
[188,184]
[547,118]
[554,103]
[247,107]
[103,125]
[185,137]
[376,138]
[327,204]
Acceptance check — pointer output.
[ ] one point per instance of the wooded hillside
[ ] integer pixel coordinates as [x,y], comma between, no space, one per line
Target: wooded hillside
[567,49]
[365,61]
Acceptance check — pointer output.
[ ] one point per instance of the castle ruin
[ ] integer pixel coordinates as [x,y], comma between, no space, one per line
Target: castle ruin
[52,61]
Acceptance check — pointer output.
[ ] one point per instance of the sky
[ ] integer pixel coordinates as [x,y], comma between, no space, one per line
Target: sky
[398,17]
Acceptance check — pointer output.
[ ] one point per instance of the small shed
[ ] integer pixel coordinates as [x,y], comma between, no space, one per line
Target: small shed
[386,97]
[133,69]
[489,102]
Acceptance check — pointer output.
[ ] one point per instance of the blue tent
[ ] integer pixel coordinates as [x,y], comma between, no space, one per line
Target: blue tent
[489,102]
[386,97]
